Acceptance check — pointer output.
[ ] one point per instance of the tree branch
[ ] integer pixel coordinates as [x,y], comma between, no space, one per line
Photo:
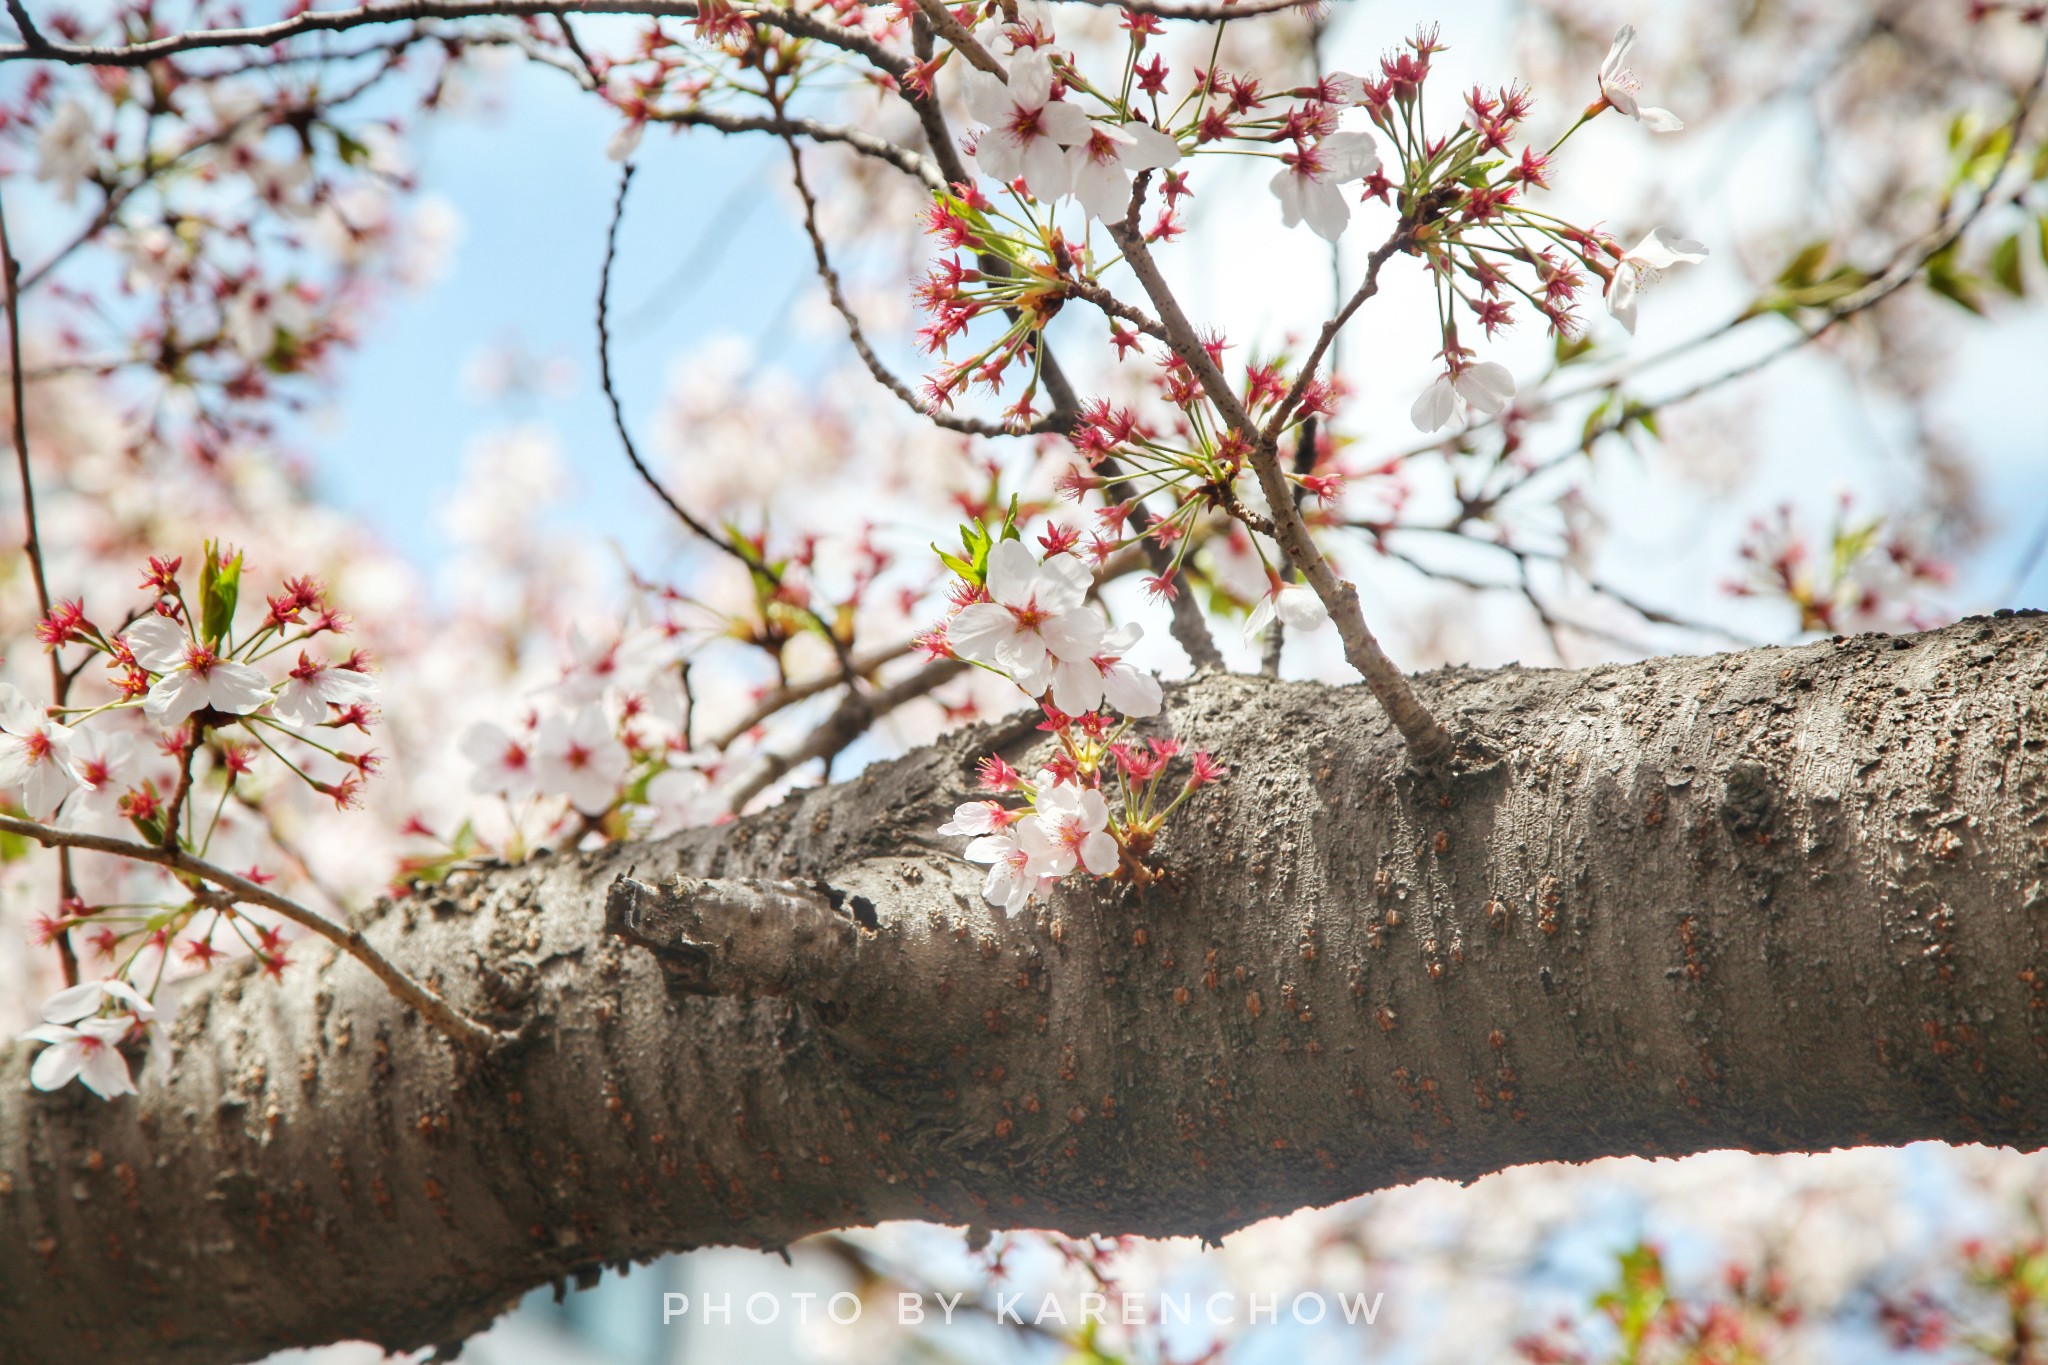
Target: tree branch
[451,1022]
[1748,901]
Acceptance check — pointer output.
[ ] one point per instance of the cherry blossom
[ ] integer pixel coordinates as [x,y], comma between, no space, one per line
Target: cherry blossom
[1642,266]
[1067,828]
[580,759]
[305,696]
[87,1048]
[35,754]
[505,766]
[1307,186]
[1028,131]
[257,316]
[626,661]
[1038,617]
[66,149]
[1294,605]
[1084,684]
[1101,166]
[191,675]
[1010,878]
[89,1053]
[1619,86]
[979,817]
[106,765]
[1486,386]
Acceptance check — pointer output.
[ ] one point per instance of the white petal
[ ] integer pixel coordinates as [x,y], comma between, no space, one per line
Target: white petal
[18,715]
[174,697]
[1150,149]
[990,848]
[105,1073]
[1098,854]
[1104,191]
[626,140]
[73,1003]
[1286,187]
[1011,572]
[236,688]
[1046,173]
[56,1065]
[1030,79]
[1349,156]
[1063,583]
[299,703]
[1617,51]
[1077,687]
[158,642]
[1324,206]
[1621,296]
[1659,120]
[1487,386]
[1064,123]
[1074,636]
[1132,691]
[979,631]
[1436,407]
[1263,610]
[988,98]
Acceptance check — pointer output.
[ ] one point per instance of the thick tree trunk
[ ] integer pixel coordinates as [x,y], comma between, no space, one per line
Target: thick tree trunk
[1784,899]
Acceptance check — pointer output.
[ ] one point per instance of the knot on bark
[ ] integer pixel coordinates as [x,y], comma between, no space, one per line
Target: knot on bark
[720,936]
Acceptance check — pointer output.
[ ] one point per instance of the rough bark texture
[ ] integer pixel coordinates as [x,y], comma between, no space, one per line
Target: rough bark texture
[1784,899]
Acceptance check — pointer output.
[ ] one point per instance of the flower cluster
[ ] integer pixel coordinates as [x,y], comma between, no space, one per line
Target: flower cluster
[605,743]
[203,708]
[1027,618]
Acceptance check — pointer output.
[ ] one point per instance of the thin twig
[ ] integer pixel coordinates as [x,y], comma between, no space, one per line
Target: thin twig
[1426,737]
[32,545]
[846,724]
[432,1007]
[969,426]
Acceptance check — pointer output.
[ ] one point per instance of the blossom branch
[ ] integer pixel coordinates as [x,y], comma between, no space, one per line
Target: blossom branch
[1056,420]
[1427,739]
[435,1009]
[867,144]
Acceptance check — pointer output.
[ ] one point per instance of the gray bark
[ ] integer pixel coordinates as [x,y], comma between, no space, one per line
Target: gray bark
[1784,899]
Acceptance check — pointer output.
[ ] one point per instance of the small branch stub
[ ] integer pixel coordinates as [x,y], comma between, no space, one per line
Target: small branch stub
[717,936]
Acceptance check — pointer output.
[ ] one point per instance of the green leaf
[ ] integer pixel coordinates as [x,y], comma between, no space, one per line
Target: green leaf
[1568,349]
[1953,284]
[220,588]
[352,152]
[2005,267]
[2042,224]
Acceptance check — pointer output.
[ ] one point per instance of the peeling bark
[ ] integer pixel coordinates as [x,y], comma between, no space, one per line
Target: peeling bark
[1788,899]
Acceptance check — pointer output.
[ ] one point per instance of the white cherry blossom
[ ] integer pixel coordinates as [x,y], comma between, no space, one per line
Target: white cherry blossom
[192,676]
[581,759]
[89,1053]
[1642,267]
[1010,878]
[66,149]
[107,765]
[1295,606]
[256,316]
[505,765]
[976,818]
[35,754]
[1620,87]
[1028,130]
[1039,617]
[1068,828]
[1487,386]
[1102,164]
[305,696]
[84,1045]
[1307,186]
